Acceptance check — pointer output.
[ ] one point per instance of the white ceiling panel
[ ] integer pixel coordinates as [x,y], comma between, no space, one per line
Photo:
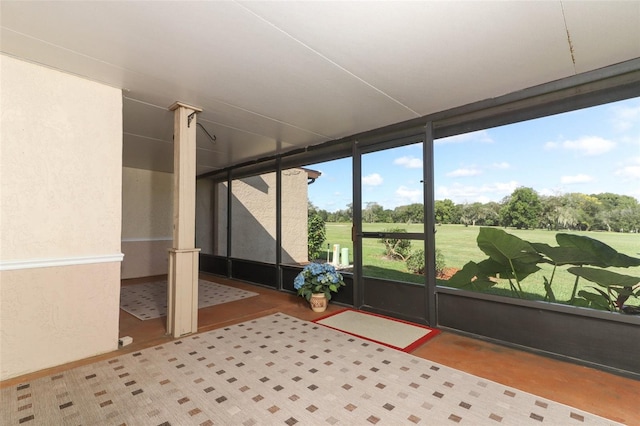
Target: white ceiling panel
[420,52]
[273,76]
[603,33]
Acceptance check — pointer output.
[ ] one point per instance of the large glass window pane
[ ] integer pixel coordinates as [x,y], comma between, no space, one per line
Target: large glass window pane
[561,181]
[330,203]
[392,202]
[392,189]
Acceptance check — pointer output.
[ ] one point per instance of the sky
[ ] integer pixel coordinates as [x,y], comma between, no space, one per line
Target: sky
[591,151]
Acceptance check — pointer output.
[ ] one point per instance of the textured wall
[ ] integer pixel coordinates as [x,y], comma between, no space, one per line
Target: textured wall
[145,258]
[60,171]
[51,316]
[253,223]
[205,203]
[294,216]
[147,222]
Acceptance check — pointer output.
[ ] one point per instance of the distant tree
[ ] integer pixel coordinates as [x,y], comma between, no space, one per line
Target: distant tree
[342,215]
[311,208]
[611,201]
[589,207]
[400,214]
[387,216]
[444,211]
[490,214]
[411,213]
[521,209]
[619,213]
[373,212]
[550,212]
[472,213]
[416,213]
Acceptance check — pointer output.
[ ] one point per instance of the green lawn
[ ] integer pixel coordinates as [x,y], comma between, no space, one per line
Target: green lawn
[458,244]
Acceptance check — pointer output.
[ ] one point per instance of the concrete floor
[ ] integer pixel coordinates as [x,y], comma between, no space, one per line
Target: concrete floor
[592,390]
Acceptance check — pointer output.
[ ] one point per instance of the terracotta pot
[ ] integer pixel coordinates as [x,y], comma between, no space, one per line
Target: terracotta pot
[318,302]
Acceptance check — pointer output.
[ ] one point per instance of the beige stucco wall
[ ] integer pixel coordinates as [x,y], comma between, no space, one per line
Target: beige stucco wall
[221,211]
[294,216]
[147,215]
[253,212]
[51,316]
[205,204]
[60,205]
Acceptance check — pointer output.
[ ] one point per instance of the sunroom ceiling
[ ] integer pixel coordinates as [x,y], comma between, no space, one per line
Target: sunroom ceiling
[274,76]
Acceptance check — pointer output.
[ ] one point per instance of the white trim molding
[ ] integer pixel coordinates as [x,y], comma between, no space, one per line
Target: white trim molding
[140,240]
[10,265]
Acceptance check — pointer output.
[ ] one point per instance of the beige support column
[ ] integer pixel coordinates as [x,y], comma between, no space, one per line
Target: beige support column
[182,291]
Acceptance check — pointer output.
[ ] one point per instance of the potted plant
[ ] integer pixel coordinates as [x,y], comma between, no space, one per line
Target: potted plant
[316,282]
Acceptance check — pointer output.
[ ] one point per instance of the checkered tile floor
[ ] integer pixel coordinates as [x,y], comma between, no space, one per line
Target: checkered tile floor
[275,370]
[149,300]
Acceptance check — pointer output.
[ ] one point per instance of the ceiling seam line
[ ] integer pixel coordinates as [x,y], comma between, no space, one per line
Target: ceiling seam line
[566,28]
[258,134]
[241,109]
[147,137]
[232,127]
[306,46]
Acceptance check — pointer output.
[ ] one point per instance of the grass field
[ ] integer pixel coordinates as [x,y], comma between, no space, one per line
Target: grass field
[458,245]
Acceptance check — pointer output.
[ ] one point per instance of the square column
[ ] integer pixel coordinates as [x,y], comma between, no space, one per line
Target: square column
[182,291]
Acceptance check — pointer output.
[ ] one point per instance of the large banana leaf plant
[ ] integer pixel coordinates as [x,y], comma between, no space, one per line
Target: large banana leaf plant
[514,259]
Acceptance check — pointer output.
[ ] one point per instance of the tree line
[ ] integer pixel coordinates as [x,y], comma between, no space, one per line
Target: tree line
[523,209]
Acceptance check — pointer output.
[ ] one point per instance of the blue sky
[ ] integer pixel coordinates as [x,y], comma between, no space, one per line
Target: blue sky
[590,151]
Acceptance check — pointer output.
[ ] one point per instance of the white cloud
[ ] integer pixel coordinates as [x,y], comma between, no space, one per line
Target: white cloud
[629,172]
[551,145]
[479,136]
[410,195]
[589,145]
[408,162]
[372,180]
[470,193]
[546,192]
[625,117]
[465,172]
[581,178]
[503,165]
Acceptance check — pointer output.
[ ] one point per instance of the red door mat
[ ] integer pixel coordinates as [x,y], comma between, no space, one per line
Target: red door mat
[391,332]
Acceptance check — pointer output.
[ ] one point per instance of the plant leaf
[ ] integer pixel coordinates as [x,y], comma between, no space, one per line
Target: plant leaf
[600,254]
[604,278]
[489,268]
[464,276]
[566,255]
[504,248]
[595,299]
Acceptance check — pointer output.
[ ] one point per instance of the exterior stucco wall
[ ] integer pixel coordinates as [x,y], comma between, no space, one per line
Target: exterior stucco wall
[205,203]
[253,218]
[60,204]
[147,215]
[294,216]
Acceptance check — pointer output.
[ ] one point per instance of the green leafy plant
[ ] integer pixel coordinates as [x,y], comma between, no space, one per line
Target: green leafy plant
[318,278]
[514,259]
[317,234]
[396,248]
[416,263]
